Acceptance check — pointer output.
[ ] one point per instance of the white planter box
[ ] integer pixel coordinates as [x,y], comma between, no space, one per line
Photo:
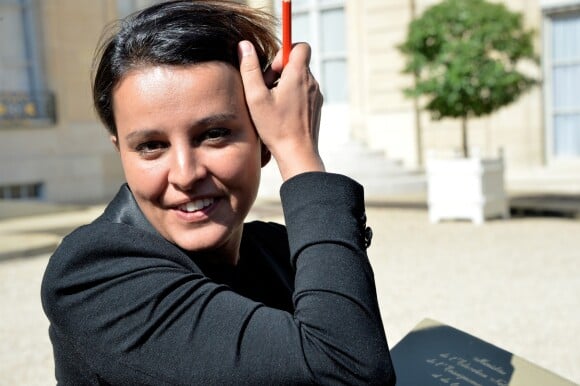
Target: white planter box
[466,188]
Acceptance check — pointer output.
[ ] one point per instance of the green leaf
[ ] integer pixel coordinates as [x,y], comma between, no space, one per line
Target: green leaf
[464,53]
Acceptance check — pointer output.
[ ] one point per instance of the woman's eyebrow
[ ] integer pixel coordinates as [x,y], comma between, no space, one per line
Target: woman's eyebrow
[216,118]
[143,133]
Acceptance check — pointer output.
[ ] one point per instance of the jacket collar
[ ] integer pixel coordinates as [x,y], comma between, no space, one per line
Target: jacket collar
[125,210]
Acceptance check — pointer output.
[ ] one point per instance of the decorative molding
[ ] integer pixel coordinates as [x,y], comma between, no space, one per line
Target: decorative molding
[557,6]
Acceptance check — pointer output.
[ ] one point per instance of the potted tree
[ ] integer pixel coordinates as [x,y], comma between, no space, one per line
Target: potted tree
[464,55]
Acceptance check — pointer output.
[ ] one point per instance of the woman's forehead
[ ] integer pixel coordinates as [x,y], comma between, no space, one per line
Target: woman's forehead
[204,79]
[200,92]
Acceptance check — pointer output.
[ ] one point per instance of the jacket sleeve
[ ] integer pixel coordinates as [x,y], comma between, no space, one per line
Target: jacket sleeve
[125,305]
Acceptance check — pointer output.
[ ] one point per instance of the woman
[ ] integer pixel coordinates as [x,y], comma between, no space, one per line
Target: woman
[169,286]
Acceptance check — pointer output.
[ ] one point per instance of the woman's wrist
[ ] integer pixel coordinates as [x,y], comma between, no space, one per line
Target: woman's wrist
[292,162]
[290,171]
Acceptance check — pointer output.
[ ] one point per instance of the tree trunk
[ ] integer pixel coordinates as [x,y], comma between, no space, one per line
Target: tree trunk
[464,139]
[416,107]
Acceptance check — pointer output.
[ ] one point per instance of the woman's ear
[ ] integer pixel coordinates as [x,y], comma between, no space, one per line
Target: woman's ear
[114,141]
[266,155]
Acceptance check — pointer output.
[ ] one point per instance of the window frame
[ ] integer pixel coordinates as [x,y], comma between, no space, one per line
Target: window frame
[35,105]
[549,14]
[314,10]
[22,191]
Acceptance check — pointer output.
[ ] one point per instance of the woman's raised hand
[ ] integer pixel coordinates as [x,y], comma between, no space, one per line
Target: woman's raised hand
[285,112]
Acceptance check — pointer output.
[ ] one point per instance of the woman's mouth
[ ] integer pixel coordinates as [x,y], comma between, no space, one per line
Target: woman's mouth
[196,205]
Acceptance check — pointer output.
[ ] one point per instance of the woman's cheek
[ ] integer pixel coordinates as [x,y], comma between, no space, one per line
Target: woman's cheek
[236,163]
[147,177]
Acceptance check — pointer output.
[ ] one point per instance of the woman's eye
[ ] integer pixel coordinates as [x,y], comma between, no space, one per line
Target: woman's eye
[214,135]
[147,148]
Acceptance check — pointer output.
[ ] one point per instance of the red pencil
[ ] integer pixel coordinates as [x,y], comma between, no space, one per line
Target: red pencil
[286,30]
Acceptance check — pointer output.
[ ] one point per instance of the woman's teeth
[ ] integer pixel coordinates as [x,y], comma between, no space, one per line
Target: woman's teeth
[196,205]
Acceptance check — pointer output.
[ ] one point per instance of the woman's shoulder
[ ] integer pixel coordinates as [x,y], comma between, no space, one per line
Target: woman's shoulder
[104,253]
[102,235]
[118,240]
[102,245]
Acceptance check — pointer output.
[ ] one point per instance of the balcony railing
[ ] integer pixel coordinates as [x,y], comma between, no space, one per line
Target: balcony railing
[20,109]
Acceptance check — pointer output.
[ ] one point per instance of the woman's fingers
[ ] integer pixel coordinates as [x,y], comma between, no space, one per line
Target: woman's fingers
[251,72]
[271,77]
[286,113]
[299,55]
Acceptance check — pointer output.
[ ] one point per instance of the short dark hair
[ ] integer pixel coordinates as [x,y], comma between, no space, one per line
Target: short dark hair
[177,33]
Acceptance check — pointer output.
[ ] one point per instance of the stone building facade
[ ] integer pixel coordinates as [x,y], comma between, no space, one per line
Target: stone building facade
[53,148]
[60,153]
[532,132]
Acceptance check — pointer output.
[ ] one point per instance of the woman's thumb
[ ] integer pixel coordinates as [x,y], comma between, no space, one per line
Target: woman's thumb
[250,70]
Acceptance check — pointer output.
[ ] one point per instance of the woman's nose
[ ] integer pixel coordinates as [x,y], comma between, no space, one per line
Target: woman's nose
[186,168]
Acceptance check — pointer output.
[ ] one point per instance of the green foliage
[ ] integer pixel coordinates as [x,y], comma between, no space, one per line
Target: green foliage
[464,54]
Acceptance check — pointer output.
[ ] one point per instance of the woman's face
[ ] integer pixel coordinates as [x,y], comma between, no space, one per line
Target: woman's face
[190,153]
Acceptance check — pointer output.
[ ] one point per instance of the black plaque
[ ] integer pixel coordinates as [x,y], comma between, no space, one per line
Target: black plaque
[434,354]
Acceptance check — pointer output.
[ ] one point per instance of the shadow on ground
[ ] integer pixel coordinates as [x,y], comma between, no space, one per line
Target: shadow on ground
[546,205]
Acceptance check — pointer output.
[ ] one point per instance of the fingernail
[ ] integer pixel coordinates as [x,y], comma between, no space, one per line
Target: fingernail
[246,48]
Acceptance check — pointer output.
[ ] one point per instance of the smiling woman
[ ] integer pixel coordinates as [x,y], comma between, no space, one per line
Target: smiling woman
[193,168]
[169,285]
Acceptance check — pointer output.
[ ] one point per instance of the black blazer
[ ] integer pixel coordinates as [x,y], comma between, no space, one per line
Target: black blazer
[128,307]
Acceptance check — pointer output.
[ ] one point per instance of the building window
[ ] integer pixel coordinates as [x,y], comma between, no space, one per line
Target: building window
[562,58]
[31,191]
[322,24]
[23,97]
